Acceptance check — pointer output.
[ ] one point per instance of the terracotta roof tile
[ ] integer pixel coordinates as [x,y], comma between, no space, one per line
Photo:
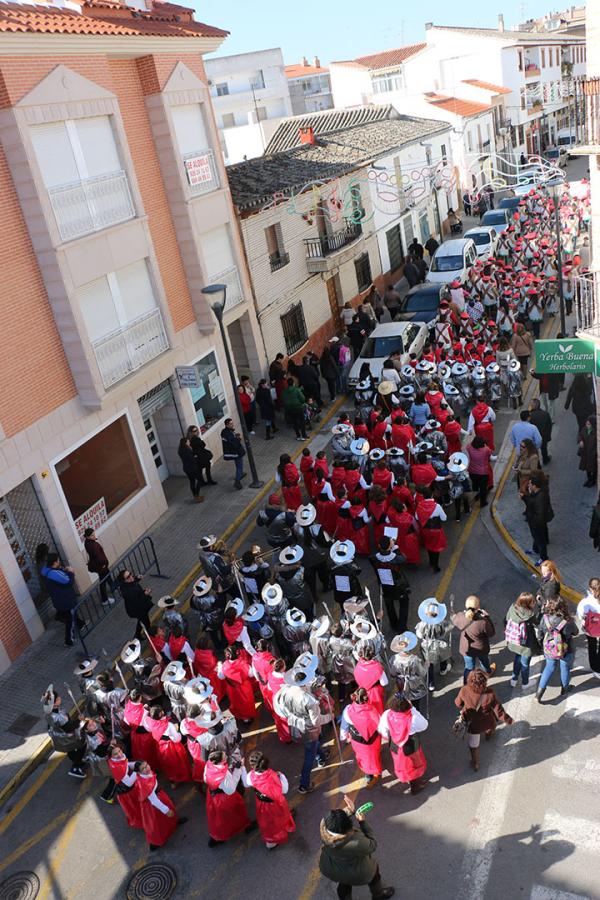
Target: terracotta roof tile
[297,70]
[487,86]
[385,59]
[16,18]
[456,105]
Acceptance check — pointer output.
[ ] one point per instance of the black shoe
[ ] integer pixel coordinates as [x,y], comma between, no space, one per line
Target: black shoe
[68,643]
[76,772]
[237,485]
[213,843]
[565,690]
[305,790]
[251,827]
[182,820]
[386,892]
[539,695]
[212,482]
[153,847]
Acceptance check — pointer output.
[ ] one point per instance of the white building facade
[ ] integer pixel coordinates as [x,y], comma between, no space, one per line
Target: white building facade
[310,86]
[250,96]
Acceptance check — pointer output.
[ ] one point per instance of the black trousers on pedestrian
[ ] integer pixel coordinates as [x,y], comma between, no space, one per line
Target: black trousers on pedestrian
[76,756]
[344,891]
[545,457]
[69,620]
[461,502]
[594,653]
[331,387]
[310,576]
[480,484]
[434,560]
[139,631]
[296,417]
[396,603]
[539,537]
[106,582]
[195,482]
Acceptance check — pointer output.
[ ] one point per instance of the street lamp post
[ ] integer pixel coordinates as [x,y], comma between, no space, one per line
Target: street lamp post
[219,294]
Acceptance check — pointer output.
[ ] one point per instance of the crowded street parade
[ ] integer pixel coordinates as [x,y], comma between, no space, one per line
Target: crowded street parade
[299,510]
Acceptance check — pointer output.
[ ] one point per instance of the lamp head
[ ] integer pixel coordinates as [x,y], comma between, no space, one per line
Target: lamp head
[218,294]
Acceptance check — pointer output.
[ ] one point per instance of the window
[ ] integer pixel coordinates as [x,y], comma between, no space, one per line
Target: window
[278,258]
[469,142]
[362,266]
[219,262]
[394,245]
[444,153]
[424,227]
[82,172]
[228,120]
[408,230]
[104,470]
[190,129]
[261,113]
[543,55]
[110,302]
[384,83]
[257,81]
[209,398]
[294,329]
[222,89]
[551,56]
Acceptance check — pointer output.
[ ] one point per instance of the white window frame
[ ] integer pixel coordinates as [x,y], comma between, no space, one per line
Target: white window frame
[128,503]
[117,298]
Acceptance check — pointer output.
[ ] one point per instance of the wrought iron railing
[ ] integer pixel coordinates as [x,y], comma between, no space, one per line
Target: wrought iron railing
[86,206]
[324,245]
[591,90]
[201,171]
[130,347]
[278,260]
[587,302]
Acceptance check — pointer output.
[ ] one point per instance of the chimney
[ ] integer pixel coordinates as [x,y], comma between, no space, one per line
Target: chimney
[306,135]
[500,22]
[317,62]
[304,61]
[428,25]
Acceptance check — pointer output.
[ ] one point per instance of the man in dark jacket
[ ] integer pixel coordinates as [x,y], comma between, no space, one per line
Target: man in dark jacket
[278,522]
[310,383]
[357,336]
[137,600]
[61,590]
[538,512]
[233,449]
[347,853]
[543,422]
[411,271]
[98,563]
[266,405]
[549,390]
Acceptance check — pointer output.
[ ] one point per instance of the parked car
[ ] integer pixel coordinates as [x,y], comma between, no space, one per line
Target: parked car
[485,238]
[407,337]
[557,156]
[496,218]
[567,139]
[452,260]
[509,203]
[422,304]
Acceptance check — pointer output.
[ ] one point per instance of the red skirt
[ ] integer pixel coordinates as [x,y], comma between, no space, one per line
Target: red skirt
[408,545]
[434,539]
[174,762]
[274,820]
[131,807]
[241,700]
[409,768]
[198,764]
[158,826]
[226,814]
[143,746]
[362,540]
[377,697]
[368,756]
[344,529]
[327,511]
[292,497]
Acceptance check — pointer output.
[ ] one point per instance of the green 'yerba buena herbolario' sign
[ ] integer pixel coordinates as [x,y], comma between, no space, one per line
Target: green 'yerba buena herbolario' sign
[564,355]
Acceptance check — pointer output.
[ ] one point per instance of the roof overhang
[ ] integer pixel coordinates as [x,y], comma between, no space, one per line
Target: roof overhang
[123,46]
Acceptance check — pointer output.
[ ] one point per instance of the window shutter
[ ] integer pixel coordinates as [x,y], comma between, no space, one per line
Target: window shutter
[189,128]
[216,251]
[54,154]
[135,287]
[98,146]
[98,308]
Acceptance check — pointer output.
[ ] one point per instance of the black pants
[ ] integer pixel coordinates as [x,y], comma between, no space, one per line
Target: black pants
[594,653]
[545,457]
[296,417]
[375,886]
[310,576]
[396,603]
[250,419]
[461,502]
[434,560]
[331,387]
[76,756]
[69,619]
[480,484]
[195,482]
[205,473]
[539,537]
[106,582]
[139,631]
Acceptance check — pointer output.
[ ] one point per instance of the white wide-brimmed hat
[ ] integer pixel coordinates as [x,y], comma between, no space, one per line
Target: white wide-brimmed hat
[431,611]
[272,594]
[407,372]
[175,671]
[492,368]
[395,452]
[363,628]
[299,677]
[385,388]
[168,602]
[445,371]
[320,626]
[290,556]
[514,365]
[307,660]
[432,424]
[341,428]
[404,642]
[459,369]
[407,390]
[425,365]
[450,390]
[295,616]
[457,463]
[364,385]
[354,606]
[424,447]
[376,454]
[86,665]
[206,542]
[237,604]
[342,552]
[359,447]
[131,651]
[202,586]
[209,716]
[197,690]
[254,613]
[306,514]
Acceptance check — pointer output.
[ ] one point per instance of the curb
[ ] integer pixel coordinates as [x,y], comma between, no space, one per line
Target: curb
[46,749]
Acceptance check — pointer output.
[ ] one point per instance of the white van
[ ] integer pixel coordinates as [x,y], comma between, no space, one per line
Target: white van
[566,138]
[452,260]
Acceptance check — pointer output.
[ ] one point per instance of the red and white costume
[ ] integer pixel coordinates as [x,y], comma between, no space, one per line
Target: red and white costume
[272,811]
[173,759]
[262,668]
[154,808]
[430,517]
[225,809]
[398,727]
[283,729]
[236,674]
[205,664]
[192,731]
[359,727]
[369,674]
[120,769]
[481,421]
[143,745]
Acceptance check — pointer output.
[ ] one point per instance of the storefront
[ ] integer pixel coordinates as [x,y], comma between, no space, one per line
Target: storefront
[209,396]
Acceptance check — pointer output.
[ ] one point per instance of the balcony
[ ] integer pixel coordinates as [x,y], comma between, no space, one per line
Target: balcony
[326,251]
[587,304]
[278,261]
[84,207]
[591,128]
[129,348]
[532,71]
[201,171]
[231,278]
[534,107]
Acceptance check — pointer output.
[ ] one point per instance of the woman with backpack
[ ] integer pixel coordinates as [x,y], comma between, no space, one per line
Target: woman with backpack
[588,613]
[520,620]
[557,630]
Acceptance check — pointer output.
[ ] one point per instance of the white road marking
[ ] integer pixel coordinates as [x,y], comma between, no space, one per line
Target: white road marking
[489,816]
[584,834]
[540,892]
[588,774]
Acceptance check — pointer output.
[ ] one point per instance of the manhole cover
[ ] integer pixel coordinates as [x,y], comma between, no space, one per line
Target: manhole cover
[153,882]
[20,886]
[23,724]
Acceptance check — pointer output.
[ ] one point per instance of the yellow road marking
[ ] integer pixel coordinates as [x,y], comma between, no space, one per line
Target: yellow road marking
[55,860]
[457,553]
[30,792]
[33,840]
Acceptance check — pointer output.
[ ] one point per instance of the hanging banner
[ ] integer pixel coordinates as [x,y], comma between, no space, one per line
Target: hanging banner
[564,355]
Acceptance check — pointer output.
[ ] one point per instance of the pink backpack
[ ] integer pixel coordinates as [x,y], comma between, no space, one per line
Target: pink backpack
[591,623]
[554,645]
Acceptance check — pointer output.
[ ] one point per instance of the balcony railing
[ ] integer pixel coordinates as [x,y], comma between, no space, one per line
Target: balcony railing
[278,260]
[131,347]
[201,171]
[324,245]
[591,90]
[532,71]
[587,303]
[230,278]
[86,206]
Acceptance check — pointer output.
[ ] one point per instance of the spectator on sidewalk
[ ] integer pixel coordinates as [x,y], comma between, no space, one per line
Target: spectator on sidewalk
[60,584]
[549,586]
[202,453]
[309,381]
[347,314]
[538,512]
[479,467]
[594,531]
[522,344]
[588,613]
[247,408]
[266,405]
[357,335]
[588,451]
[137,600]
[557,628]
[277,376]
[476,628]
[525,429]
[549,390]
[411,271]
[98,563]
[392,300]
[330,371]
[543,422]
[294,401]
[527,463]
[189,464]
[233,449]
[580,398]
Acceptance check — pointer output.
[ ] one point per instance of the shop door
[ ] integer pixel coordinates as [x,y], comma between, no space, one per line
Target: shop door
[155,448]
[334,303]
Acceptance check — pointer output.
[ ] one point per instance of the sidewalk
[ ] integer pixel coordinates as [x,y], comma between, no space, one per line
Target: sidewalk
[176,534]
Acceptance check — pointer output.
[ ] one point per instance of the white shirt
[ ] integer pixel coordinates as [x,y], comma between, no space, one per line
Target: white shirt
[490,416]
[230,782]
[587,604]
[185,649]
[391,375]
[419,723]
